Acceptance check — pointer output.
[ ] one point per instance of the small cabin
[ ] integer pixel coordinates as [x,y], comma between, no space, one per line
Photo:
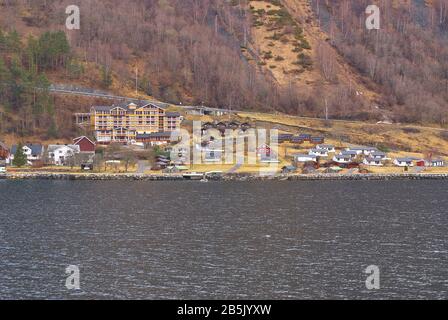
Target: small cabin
[318,152]
[207,125]
[302,158]
[234,125]
[285,137]
[328,147]
[404,162]
[435,163]
[374,162]
[297,140]
[317,140]
[157,138]
[221,126]
[245,126]
[367,151]
[343,158]
[421,163]
[378,155]
[351,154]
[304,137]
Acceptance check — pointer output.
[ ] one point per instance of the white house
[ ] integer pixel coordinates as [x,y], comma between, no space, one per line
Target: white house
[328,147]
[318,152]
[378,155]
[370,161]
[342,158]
[59,154]
[435,163]
[404,162]
[304,158]
[363,150]
[33,152]
[351,154]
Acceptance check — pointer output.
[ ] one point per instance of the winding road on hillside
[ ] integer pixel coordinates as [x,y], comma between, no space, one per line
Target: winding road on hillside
[64,89]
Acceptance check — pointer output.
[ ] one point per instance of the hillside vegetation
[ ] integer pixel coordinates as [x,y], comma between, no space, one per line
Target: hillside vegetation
[300,57]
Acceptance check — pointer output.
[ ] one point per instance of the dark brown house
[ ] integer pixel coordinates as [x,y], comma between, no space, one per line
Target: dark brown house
[156,138]
[317,140]
[4,151]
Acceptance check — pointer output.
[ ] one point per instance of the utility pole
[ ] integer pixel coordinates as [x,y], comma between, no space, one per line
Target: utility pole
[326,109]
[136,80]
[216,25]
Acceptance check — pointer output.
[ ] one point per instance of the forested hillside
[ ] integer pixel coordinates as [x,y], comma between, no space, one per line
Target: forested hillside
[407,60]
[295,56]
[24,97]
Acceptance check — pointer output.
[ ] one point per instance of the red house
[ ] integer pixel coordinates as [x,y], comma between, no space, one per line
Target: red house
[85,144]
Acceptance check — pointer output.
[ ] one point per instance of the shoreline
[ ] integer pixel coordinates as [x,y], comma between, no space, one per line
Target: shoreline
[225,177]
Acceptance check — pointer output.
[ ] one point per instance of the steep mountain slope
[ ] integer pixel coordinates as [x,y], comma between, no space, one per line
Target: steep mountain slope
[295,51]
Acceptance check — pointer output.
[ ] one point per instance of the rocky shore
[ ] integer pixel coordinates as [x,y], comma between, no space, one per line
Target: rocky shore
[226,177]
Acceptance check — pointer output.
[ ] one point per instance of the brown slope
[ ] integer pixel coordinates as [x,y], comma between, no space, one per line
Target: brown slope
[329,68]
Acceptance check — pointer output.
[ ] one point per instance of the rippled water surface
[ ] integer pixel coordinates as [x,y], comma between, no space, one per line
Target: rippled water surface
[274,240]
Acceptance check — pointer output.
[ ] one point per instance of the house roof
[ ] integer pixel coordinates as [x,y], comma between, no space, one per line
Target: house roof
[318,150]
[35,148]
[76,140]
[370,159]
[138,104]
[303,155]
[405,159]
[361,148]
[348,153]
[154,135]
[326,146]
[172,114]
[288,135]
[379,153]
[342,156]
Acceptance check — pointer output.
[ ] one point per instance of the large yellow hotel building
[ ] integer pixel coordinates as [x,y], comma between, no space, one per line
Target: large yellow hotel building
[124,122]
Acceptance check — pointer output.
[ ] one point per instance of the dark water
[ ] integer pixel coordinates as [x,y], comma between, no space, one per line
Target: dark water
[277,240]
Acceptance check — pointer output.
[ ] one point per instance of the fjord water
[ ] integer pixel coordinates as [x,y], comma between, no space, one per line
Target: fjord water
[219,240]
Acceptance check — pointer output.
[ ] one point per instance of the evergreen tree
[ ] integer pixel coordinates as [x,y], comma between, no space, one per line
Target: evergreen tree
[20,158]
[32,54]
[53,50]
[2,41]
[43,101]
[5,83]
[106,77]
[13,42]
[52,131]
